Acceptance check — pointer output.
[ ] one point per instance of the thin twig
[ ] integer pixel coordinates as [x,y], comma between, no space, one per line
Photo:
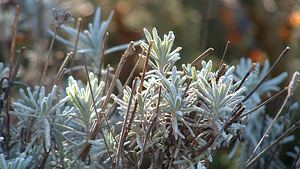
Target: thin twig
[129,51]
[125,84]
[95,129]
[62,68]
[224,53]
[76,44]
[14,36]
[153,123]
[267,74]
[265,102]
[10,76]
[145,67]
[272,145]
[234,117]
[246,76]
[48,60]
[140,87]
[99,116]
[288,96]
[101,56]
[221,71]
[202,56]
[121,140]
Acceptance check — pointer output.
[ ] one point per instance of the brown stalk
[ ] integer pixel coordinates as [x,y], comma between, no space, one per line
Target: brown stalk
[76,44]
[127,129]
[62,69]
[202,56]
[101,56]
[288,96]
[129,51]
[187,86]
[140,87]
[14,36]
[235,117]
[126,83]
[97,124]
[246,76]
[221,71]
[11,78]
[224,53]
[121,140]
[145,67]
[265,102]
[95,109]
[267,74]
[153,123]
[272,145]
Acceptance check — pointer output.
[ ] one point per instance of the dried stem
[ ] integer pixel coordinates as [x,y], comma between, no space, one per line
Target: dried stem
[76,44]
[62,68]
[221,71]
[235,117]
[267,74]
[272,145]
[224,53]
[265,102]
[101,56]
[202,56]
[246,76]
[129,51]
[140,88]
[153,123]
[145,67]
[121,140]
[48,60]
[12,75]
[288,96]
[126,83]
[98,121]
[8,92]
[14,36]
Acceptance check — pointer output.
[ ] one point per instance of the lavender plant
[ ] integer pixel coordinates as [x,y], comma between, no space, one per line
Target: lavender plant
[171,117]
[189,122]
[258,120]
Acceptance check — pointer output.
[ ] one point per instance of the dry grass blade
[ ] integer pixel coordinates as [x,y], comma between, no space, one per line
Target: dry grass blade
[202,56]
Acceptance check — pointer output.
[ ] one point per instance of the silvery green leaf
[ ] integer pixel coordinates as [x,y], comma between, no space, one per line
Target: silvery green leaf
[47,135]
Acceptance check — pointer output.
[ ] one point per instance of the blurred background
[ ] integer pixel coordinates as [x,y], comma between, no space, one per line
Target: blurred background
[256,29]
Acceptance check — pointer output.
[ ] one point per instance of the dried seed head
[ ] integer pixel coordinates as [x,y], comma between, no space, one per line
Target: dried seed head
[61,17]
